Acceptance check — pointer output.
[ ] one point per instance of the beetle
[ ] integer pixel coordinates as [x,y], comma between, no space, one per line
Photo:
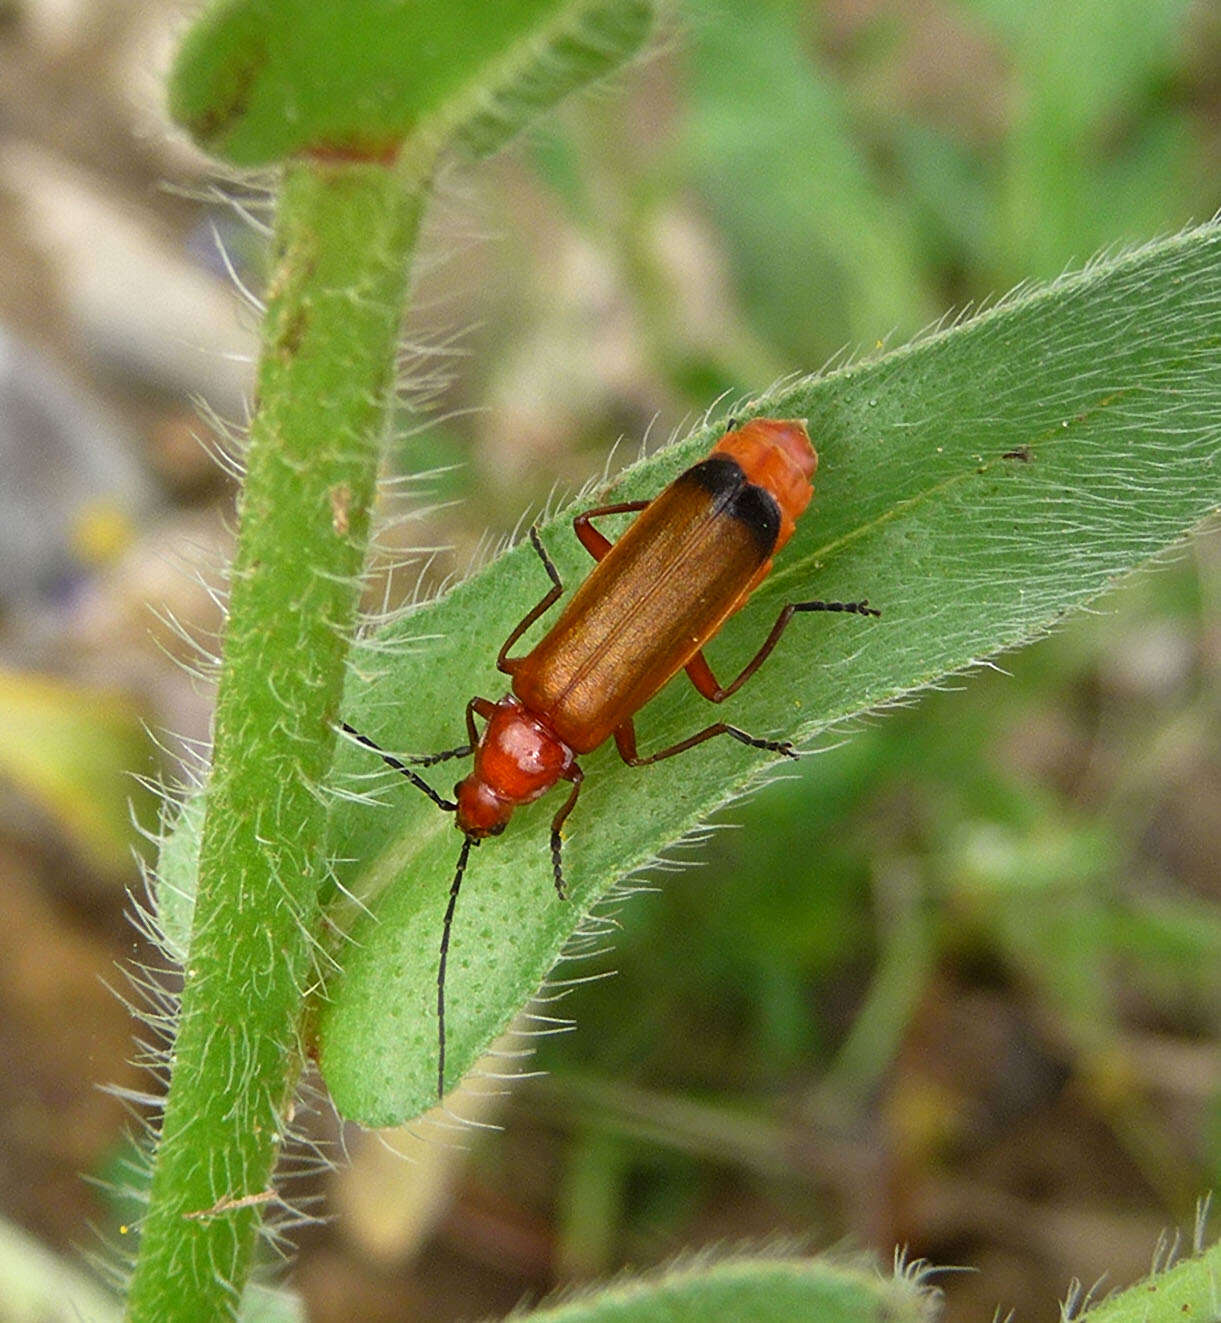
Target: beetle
[690,559]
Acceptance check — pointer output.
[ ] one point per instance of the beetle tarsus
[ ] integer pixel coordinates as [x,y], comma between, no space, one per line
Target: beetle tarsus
[861,608]
[548,564]
[784,747]
[557,865]
[575,775]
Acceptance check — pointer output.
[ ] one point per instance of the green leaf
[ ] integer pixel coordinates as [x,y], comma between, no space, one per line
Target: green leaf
[1188,1290]
[975,486]
[257,81]
[760,1289]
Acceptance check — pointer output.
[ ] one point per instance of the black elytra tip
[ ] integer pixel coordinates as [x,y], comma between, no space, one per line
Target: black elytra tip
[722,478]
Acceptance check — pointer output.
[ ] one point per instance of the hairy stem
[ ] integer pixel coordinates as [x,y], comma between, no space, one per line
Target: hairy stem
[344,236]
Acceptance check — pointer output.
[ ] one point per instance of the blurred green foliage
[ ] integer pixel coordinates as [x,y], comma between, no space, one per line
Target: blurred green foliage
[73,751]
[867,167]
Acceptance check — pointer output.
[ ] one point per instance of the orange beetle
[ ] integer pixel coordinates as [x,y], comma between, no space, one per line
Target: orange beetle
[655,598]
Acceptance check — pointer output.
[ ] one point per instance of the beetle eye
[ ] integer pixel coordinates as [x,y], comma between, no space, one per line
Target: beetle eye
[500,826]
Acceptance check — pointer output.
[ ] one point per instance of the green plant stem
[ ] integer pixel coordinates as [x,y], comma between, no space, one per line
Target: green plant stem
[344,237]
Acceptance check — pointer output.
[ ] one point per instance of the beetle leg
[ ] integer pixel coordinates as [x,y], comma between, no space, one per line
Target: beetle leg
[700,673]
[701,676]
[594,542]
[625,742]
[427,760]
[503,662]
[576,776]
[483,707]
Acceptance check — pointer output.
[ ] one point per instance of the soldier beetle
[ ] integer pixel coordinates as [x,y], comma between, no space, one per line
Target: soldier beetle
[690,559]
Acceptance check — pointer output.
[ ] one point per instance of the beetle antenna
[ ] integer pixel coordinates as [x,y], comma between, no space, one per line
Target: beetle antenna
[445,805]
[467,842]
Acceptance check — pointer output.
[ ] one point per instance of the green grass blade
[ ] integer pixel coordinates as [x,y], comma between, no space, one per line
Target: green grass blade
[975,485]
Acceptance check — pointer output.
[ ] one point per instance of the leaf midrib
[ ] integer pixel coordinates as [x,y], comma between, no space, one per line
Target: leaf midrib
[1049,435]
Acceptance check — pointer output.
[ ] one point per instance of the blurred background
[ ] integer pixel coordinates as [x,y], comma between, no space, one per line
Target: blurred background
[957,986]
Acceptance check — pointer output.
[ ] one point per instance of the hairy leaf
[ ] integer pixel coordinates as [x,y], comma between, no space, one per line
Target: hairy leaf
[259,80]
[975,486]
[761,1289]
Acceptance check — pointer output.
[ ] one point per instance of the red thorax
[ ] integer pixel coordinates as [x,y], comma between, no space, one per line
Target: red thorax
[518,759]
